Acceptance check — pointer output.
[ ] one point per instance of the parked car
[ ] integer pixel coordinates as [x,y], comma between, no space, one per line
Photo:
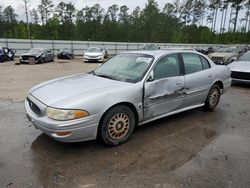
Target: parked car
[150,47]
[205,51]
[37,55]
[65,53]
[1,55]
[7,54]
[130,89]
[94,54]
[226,55]
[241,69]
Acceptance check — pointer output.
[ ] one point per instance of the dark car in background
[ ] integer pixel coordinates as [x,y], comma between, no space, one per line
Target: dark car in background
[205,51]
[1,55]
[37,55]
[151,47]
[65,53]
[7,54]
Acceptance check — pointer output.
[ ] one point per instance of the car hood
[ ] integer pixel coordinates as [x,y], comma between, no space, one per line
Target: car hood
[61,92]
[222,54]
[93,53]
[32,54]
[240,66]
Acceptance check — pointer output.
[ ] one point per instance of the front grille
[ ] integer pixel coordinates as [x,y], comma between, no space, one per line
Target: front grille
[34,107]
[240,75]
[27,57]
[217,60]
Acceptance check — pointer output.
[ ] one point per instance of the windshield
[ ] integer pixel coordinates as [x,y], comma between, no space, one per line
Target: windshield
[94,50]
[230,49]
[125,67]
[35,51]
[245,57]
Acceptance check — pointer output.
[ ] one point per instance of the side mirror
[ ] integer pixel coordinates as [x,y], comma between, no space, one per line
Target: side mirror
[151,76]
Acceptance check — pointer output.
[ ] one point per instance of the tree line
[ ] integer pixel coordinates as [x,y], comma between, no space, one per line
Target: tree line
[182,21]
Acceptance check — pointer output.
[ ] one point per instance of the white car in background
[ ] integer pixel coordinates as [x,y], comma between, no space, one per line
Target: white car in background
[240,69]
[94,54]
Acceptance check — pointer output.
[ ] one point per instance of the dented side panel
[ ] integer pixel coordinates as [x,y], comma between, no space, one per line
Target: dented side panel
[163,96]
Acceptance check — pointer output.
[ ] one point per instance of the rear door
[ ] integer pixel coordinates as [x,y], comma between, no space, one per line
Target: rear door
[198,78]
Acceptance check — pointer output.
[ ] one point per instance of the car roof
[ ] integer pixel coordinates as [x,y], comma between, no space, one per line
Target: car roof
[158,53]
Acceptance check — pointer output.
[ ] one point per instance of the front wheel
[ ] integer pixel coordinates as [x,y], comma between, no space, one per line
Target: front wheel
[213,98]
[117,125]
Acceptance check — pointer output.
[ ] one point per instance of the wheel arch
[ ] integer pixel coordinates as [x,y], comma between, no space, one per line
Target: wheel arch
[128,104]
[220,84]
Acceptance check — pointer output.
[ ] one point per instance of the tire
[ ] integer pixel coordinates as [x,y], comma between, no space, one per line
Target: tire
[116,126]
[213,97]
[42,61]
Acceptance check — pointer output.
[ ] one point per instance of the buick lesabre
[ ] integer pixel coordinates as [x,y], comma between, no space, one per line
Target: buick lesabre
[130,89]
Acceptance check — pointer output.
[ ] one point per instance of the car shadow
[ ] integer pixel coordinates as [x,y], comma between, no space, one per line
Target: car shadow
[165,144]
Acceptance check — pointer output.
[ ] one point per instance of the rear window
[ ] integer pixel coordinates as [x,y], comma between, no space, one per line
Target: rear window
[192,63]
[205,62]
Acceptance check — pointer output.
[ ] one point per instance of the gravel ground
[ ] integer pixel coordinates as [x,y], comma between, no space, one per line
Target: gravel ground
[192,149]
[16,80]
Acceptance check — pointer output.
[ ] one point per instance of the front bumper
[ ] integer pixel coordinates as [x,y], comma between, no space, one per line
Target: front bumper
[240,80]
[100,59]
[27,61]
[81,129]
[240,76]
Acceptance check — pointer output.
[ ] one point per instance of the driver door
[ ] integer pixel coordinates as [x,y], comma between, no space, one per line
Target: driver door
[164,93]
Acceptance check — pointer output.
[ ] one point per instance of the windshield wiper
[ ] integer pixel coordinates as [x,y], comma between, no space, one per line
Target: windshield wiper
[92,72]
[105,76]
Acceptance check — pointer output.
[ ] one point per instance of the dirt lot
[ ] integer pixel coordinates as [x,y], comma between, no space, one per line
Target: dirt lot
[16,80]
[192,149]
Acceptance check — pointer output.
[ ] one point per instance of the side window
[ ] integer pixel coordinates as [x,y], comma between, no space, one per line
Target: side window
[192,63]
[205,62]
[167,67]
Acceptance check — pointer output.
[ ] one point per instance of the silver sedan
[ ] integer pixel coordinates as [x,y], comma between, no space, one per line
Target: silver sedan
[130,89]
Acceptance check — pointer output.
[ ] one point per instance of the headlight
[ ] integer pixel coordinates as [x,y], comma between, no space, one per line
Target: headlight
[62,115]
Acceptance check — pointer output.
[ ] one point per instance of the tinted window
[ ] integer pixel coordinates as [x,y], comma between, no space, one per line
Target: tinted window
[192,63]
[205,62]
[167,67]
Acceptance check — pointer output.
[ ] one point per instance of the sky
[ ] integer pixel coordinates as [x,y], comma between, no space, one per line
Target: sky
[18,5]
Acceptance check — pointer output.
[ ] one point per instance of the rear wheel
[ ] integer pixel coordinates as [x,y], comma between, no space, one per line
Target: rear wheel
[213,98]
[117,125]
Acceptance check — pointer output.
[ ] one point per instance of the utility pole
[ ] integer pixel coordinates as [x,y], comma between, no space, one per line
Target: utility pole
[26,7]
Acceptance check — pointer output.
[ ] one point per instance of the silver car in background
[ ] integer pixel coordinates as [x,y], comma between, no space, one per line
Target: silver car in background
[241,69]
[130,89]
